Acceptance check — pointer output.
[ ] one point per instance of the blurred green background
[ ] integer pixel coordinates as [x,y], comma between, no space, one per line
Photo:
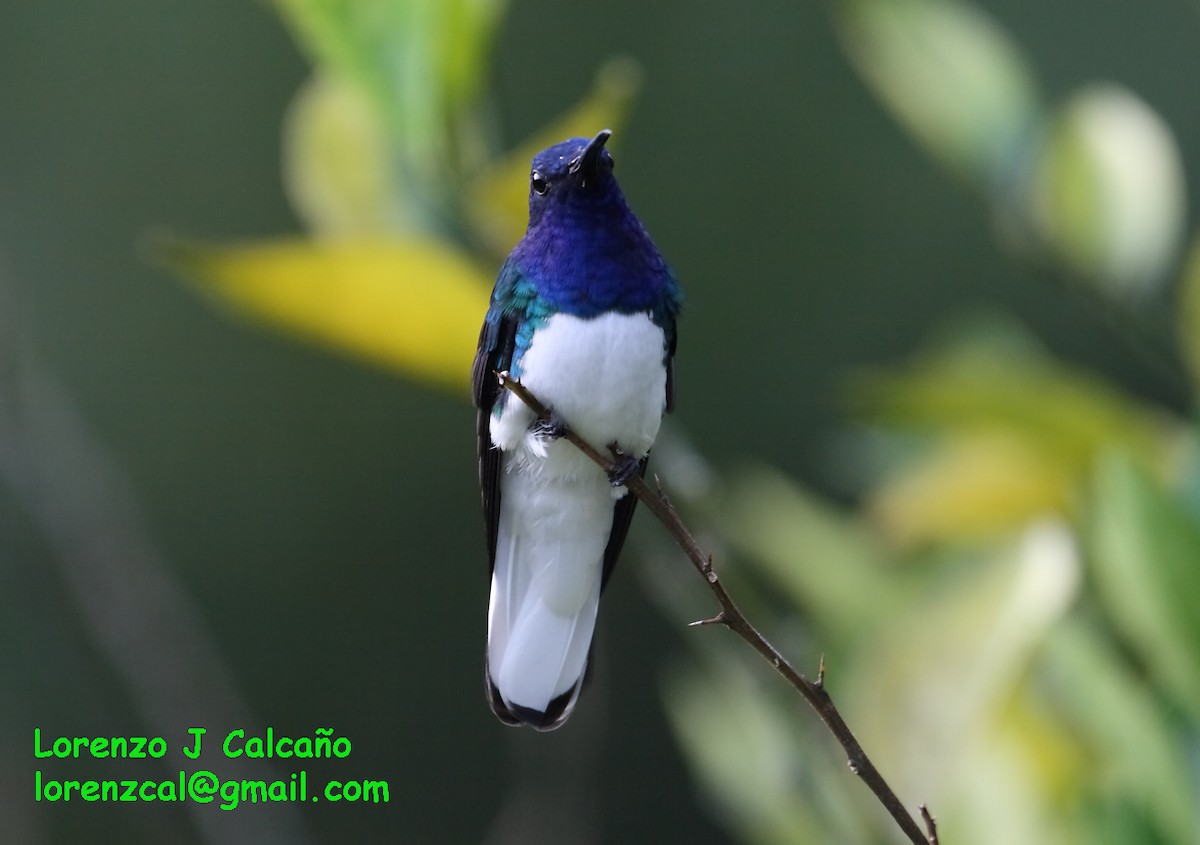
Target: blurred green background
[936,413]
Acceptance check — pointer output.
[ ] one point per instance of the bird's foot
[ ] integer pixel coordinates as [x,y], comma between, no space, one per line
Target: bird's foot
[624,467]
[551,429]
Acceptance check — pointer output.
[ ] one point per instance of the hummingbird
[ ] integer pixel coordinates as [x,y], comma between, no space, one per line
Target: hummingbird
[583,315]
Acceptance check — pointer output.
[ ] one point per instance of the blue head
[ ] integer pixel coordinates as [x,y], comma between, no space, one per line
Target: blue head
[570,177]
[585,251]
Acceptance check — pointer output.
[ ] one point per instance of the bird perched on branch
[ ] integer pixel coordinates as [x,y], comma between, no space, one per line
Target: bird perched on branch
[583,315]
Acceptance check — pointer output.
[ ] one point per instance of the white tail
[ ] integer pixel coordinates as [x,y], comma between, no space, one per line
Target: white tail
[545,592]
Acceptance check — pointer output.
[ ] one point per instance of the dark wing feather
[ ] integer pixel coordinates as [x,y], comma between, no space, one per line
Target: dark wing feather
[496,341]
[622,516]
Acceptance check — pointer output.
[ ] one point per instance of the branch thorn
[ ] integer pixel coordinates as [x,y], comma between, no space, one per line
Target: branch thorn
[930,824]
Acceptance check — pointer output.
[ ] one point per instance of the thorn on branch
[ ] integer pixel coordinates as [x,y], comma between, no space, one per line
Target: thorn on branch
[819,683]
[856,762]
[930,824]
[719,619]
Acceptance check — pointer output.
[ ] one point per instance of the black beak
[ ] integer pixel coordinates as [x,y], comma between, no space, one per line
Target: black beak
[588,164]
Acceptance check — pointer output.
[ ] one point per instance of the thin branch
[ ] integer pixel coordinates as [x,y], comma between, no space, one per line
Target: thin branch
[731,617]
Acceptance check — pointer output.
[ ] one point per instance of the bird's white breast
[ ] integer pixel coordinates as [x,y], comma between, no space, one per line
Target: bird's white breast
[605,376]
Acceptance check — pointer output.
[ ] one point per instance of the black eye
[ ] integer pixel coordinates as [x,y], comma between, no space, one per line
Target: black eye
[538,182]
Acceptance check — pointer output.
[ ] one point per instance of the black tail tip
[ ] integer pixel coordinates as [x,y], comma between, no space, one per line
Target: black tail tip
[554,716]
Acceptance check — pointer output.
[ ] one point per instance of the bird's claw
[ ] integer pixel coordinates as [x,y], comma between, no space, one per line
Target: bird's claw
[551,429]
[624,468]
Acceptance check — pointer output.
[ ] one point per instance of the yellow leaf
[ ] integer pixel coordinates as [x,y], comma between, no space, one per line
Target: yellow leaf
[413,307]
[987,382]
[969,487]
[498,201]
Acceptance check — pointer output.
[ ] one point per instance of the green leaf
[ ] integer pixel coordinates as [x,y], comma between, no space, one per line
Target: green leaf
[951,75]
[339,170]
[415,56]
[1145,554]
[1137,760]
[759,756]
[467,29]
[378,46]
[825,562]
[420,63]
[1109,192]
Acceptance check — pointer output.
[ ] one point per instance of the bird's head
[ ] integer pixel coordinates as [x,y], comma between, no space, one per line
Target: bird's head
[575,170]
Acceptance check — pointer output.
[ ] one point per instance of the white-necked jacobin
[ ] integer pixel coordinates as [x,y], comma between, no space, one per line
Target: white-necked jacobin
[583,315]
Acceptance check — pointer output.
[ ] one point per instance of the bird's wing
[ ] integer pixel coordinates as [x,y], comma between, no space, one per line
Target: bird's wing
[496,341]
[622,516]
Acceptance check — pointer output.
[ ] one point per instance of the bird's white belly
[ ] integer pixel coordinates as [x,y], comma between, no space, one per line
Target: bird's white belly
[606,377]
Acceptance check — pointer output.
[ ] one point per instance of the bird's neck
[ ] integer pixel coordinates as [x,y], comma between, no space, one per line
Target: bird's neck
[586,263]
